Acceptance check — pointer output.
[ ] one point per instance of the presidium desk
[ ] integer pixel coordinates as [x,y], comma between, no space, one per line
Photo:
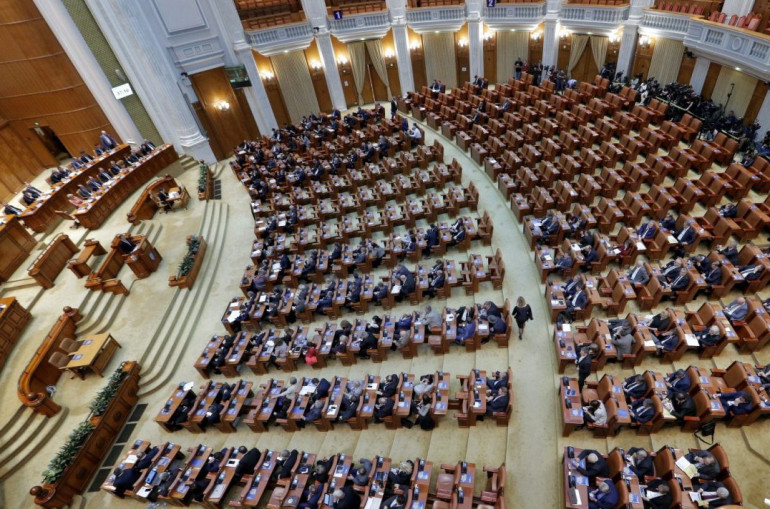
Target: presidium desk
[15,245]
[41,215]
[98,208]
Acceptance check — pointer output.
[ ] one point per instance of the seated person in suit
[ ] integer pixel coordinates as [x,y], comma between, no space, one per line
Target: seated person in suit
[638,275]
[729,210]
[360,475]
[164,201]
[590,255]
[657,495]
[709,337]
[714,275]
[715,494]
[28,198]
[389,386]
[605,496]
[737,310]
[750,272]
[736,403]
[465,332]
[634,387]
[498,402]
[549,225]
[640,462]
[348,407]
[668,341]
[247,463]
[496,326]
[10,210]
[684,237]
[595,413]
[595,465]
[670,271]
[642,410]
[660,322]
[125,479]
[383,408]
[563,263]
[624,342]
[94,184]
[680,406]
[498,380]
[313,413]
[707,465]
[730,252]
[678,381]
[668,223]
[679,283]
[346,498]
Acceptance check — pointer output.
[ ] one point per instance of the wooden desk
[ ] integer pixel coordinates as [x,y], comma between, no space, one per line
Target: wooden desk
[16,244]
[98,208]
[52,261]
[79,266]
[94,354]
[41,215]
[13,319]
[146,206]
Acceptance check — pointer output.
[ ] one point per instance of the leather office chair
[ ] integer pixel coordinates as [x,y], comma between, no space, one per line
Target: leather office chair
[69,345]
[445,483]
[59,359]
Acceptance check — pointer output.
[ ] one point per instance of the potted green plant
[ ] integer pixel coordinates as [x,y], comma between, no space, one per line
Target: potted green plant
[67,452]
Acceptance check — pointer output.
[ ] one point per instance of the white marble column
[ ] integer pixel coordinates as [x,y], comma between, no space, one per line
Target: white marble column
[550,42]
[403,57]
[71,40]
[739,7]
[699,73]
[329,61]
[627,50]
[476,47]
[148,65]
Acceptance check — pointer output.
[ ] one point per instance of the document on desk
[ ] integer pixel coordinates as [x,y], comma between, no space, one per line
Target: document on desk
[691,340]
[687,467]
[373,503]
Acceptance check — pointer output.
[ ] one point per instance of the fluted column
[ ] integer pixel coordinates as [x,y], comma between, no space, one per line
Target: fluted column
[71,40]
[475,37]
[326,50]
[550,42]
[397,10]
[627,49]
[147,63]
[699,72]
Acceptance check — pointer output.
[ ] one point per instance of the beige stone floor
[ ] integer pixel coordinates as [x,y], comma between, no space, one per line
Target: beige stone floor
[531,446]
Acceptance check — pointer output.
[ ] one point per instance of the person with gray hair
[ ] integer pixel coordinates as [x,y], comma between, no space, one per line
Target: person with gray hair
[716,494]
[605,496]
[432,318]
[346,498]
[360,475]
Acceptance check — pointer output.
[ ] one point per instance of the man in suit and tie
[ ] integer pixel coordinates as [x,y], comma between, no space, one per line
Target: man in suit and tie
[638,275]
[564,262]
[730,252]
[707,465]
[247,463]
[605,496]
[107,141]
[578,301]
[383,408]
[714,275]
[497,381]
[670,271]
[736,310]
[465,332]
[641,463]
[147,147]
[595,465]
[648,230]
[684,237]
[736,403]
[709,337]
[680,406]
[679,283]
[498,402]
[314,412]
[660,322]
[678,381]
[10,210]
[125,244]
[643,410]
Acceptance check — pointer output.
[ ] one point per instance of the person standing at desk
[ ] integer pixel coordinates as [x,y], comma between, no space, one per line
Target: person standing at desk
[125,244]
[107,141]
[584,366]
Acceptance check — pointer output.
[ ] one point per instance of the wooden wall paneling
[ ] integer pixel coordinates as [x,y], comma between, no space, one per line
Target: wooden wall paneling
[586,69]
[228,126]
[711,79]
[316,70]
[642,59]
[490,58]
[272,89]
[389,54]
[757,98]
[565,43]
[418,60]
[252,129]
[214,140]
[462,55]
[536,46]
[685,70]
[39,84]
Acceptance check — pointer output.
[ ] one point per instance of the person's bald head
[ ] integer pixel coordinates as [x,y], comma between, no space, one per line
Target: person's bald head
[641,454]
[723,492]
[592,458]
[604,487]
[663,489]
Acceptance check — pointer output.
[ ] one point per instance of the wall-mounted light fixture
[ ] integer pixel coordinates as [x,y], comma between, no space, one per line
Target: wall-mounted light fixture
[614,37]
[462,42]
[488,35]
[414,44]
[316,65]
[563,33]
[536,35]
[342,60]
[266,76]
[645,41]
[222,105]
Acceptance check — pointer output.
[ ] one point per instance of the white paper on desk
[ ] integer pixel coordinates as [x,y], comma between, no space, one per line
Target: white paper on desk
[232,316]
[547,258]
[640,245]
[143,492]
[575,247]
[671,239]
[262,298]
[396,289]
[218,491]
[131,458]
[687,467]
[373,503]
[691,340]
[652,494]
[307,389]
[648,343]
[566,327]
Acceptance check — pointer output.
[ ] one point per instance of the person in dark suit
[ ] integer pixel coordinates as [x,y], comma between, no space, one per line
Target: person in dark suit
[383,408]
[730,252]
[348,407]
[642,410]
[322,388]
[709,337]
[346,498]
[583,362]
[736,403]
[498,402]
[678,381]
[10,210]
[668,223]
[595,465]
[736,310]
[605,496]
[640,462]
[147,146]
[497,381]
[638,275]
[635,387]
[389,386]
[247,463]
[648,230]
[684,237]
[721,497]
[125,479]
[578,301]
[707,465]
[660,487]
[660,322]
[163,199]
[714,274]
[285,463]
[682,406]
[107,141]
[125,244]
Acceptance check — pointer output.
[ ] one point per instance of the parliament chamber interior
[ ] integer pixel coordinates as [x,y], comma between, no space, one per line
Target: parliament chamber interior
[409,254]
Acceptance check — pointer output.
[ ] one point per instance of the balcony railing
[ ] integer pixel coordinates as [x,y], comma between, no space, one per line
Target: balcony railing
[436,17]
[673,25]
[512,15]
[280,38]
[739,46]
[592,15]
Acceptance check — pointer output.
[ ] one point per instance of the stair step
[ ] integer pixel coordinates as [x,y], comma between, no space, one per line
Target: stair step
[24,447]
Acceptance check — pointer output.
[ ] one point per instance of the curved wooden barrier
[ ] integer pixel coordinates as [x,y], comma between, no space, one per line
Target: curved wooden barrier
[40,373]
[146,206]
[188,279]
[77,476]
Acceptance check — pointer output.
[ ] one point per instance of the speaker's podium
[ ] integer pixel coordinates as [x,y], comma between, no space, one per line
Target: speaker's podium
[144,259]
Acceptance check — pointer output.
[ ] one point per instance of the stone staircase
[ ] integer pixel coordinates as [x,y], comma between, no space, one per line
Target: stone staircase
[177,326]
[25,434]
